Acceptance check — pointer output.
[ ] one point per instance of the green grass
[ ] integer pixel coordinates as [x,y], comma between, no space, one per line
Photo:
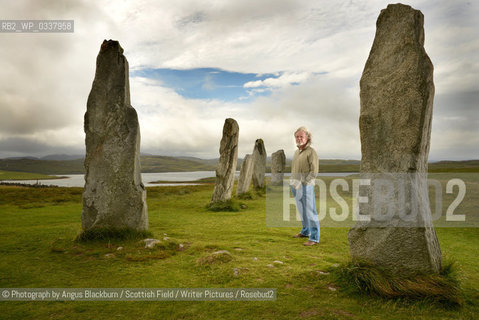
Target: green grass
[37,249]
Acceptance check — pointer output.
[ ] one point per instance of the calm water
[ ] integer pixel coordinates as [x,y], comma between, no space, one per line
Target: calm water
[77,180]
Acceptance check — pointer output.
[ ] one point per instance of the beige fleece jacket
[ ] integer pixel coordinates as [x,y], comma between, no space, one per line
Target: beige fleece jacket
[305,165]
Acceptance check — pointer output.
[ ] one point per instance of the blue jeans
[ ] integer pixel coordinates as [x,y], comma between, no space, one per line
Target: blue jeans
[306,204]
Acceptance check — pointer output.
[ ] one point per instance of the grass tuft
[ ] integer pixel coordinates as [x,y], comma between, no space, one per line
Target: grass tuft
[260,192]
[249,195]
[101,234]
[163,250]
[221,256]
[228,205]
[365,278]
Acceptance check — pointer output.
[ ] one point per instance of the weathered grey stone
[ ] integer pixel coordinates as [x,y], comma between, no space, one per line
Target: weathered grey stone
[397,93]
[246,173]
[114,196]
[225,172]
[259,164]
[278,163]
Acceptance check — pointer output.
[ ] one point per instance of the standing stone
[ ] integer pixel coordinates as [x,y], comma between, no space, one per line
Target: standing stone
[259,164]
[225,172]
[397,93]
[246,173]
[278,163]
[114,196]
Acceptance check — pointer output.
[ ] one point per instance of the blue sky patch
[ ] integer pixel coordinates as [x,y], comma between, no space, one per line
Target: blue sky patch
[208,83]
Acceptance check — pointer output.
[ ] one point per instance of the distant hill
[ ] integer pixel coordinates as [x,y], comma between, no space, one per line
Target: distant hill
[16,158]
[454,166]
[43,166]
[55,165]
[175,164]
[148,164]
[62,157]
[337,165]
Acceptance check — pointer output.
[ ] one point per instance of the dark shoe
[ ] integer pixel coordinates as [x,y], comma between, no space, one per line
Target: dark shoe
[310,243]
[299,235]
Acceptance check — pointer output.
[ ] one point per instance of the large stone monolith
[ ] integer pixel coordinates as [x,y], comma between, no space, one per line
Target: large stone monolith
[259,164]
[397,90]
[226,169]
[114,196]
[246,173]
[278,163]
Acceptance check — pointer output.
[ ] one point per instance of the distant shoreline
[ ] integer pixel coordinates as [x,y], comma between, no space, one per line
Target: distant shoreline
[162,164]
[38,179]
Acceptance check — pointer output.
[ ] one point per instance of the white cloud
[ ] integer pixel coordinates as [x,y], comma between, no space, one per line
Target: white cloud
[283,80]
[171,124]
[46,78]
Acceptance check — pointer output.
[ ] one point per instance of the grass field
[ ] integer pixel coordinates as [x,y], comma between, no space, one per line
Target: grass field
[37,250]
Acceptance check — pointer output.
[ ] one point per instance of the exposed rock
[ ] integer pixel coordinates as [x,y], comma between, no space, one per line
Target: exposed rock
[246,174]
[259,164]
[238,271]
[397,92]
[278,163]
[221,256]
[114,196]
[221,252]
[226,169]
[150,243]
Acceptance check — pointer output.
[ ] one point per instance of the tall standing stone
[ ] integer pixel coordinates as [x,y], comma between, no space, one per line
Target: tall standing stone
[278,163]
[225,172]
[246,174]
[259,164]
[114,196]
[396,95]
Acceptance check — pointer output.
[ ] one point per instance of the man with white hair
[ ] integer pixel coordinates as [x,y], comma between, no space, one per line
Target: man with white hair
[304,169]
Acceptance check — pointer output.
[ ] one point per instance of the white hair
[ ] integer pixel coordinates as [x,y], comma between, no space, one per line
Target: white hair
[305,130]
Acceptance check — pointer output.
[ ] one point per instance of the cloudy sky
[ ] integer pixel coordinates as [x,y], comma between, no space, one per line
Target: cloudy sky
[272,65]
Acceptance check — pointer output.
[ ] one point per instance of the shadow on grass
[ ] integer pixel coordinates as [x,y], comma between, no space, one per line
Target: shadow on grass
[366,279]
[228,205]
[101,234]
[249,195]
[253,194]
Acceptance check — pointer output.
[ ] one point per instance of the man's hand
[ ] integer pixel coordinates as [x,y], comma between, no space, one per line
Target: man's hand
[295,183]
